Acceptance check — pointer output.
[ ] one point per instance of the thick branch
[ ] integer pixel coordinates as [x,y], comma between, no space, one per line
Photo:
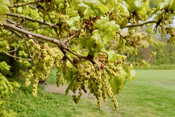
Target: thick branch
[30,19]
[60,44]
[24,4]
[144,23]
[53,40]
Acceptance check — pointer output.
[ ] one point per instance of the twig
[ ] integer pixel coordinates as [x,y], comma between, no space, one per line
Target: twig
[78,55]
[15,32]
[18,24]
[147,22]
[12,22]
[34,8]
[66,40]
[69,58]
[16,56]
[24,4]
[29,50]
[13,50]
[30,19]
[39,28]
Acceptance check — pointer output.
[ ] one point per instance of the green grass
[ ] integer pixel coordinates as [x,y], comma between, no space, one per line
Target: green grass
[157,66]
[52,77]
[151,94]
[50,105]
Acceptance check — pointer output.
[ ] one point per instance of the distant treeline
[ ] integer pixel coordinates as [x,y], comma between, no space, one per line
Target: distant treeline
[165,54]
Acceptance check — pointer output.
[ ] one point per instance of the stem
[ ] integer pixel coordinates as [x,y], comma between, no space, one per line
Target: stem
[12,22]
[24,4]
[66,40]
[78,55]
[30,19]
[16,56]
[39,28]
[29,50]
[13,50]
[147,22]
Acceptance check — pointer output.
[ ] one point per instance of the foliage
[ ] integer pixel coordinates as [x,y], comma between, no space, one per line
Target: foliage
[6,88]
[82,39]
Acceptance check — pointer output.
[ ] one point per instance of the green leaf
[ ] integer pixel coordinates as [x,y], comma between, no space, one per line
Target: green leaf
[123,9]
[70,76]
[138,3]
[140,7]
[3,9]
[107,29]
[144,63]
[171,5]
[112,56]
[163,5]
[70,86]
[100,7]
[88,11]
[117,83]
[93,44]
[90,7]
[5,68]
[4,2]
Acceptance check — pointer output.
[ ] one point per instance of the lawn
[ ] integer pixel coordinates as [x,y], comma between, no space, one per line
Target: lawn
[151,94]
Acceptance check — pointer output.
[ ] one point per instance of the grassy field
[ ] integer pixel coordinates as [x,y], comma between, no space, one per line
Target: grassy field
[159,66]
[151,94]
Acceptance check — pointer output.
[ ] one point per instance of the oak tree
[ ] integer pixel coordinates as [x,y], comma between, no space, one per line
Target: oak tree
[87,41]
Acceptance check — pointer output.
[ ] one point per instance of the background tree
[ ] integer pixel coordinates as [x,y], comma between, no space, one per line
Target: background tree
[82,39]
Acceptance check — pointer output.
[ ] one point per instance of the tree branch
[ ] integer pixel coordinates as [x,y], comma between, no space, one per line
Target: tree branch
[29,50]
[66,40]
[34,8]
[24,4]
[69,58]
[80,56]
[16,56]
[12,22]
[60,44]
[30,19]
[13,50]
[15,33]
[72,52]
[53,40]
[39,28]
[147,22]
